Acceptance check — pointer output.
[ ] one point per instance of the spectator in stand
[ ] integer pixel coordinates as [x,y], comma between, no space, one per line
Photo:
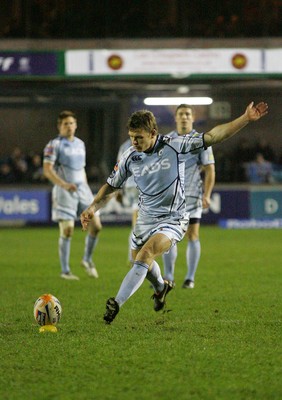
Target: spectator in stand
[35,170]
[277,170]
[18,164]
[6,173]
[259,170]
[264,148]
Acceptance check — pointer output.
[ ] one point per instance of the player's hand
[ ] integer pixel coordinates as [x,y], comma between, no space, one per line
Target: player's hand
[206,202]
[255,112]
[70,187]
[85,217]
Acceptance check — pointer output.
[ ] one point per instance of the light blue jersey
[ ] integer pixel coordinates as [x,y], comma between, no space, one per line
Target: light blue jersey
[69,159]
[193,179]
[130,183]
[130,191]
[159,175]
[123,147]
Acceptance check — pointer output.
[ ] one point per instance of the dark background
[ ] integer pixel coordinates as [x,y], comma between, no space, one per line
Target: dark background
[29,108]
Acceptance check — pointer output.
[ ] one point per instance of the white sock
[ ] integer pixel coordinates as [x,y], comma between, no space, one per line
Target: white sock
[155,277]
[193,253]
[129,247]
[90,244]
[132,282]
[169,259]
[64,254]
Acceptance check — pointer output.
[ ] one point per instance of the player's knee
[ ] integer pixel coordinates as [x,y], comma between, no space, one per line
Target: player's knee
[145,255]
[66,229]
[133,254]
[68,232]
[193,232]
[95,227]
[193,236]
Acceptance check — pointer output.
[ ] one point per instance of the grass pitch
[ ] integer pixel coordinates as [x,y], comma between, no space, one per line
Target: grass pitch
[221,340]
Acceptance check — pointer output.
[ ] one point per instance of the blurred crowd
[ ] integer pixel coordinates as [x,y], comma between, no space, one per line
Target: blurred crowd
[140,19]
[255,164]
[19,167]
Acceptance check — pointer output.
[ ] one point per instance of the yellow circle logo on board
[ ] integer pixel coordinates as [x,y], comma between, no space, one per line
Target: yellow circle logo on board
[239,61]
[115,62]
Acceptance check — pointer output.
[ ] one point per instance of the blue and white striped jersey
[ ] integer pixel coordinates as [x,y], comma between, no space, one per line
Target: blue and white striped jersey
[130,183]
[193,179]
[68,157]
[159,175]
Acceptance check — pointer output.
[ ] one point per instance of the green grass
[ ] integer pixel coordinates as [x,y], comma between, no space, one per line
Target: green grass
[222,340]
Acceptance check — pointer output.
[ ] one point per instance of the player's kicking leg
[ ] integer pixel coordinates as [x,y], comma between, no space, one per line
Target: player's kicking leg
[143,265]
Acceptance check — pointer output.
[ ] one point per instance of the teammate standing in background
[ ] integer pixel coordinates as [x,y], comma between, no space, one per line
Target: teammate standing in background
[128,196]
[64,166]
[196,199]
[158,165]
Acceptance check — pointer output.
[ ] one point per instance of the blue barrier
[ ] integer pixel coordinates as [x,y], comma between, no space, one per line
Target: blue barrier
[25,205]
[241,203]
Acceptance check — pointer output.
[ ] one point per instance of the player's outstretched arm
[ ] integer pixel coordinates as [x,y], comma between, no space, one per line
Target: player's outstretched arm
[225,131]
[104,194]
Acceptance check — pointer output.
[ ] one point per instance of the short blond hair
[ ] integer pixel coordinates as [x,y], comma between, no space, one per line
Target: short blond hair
[142,119]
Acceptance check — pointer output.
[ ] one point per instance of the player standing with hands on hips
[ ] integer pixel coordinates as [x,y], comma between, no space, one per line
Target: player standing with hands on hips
[64,165]
[196,198]
[157,164]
